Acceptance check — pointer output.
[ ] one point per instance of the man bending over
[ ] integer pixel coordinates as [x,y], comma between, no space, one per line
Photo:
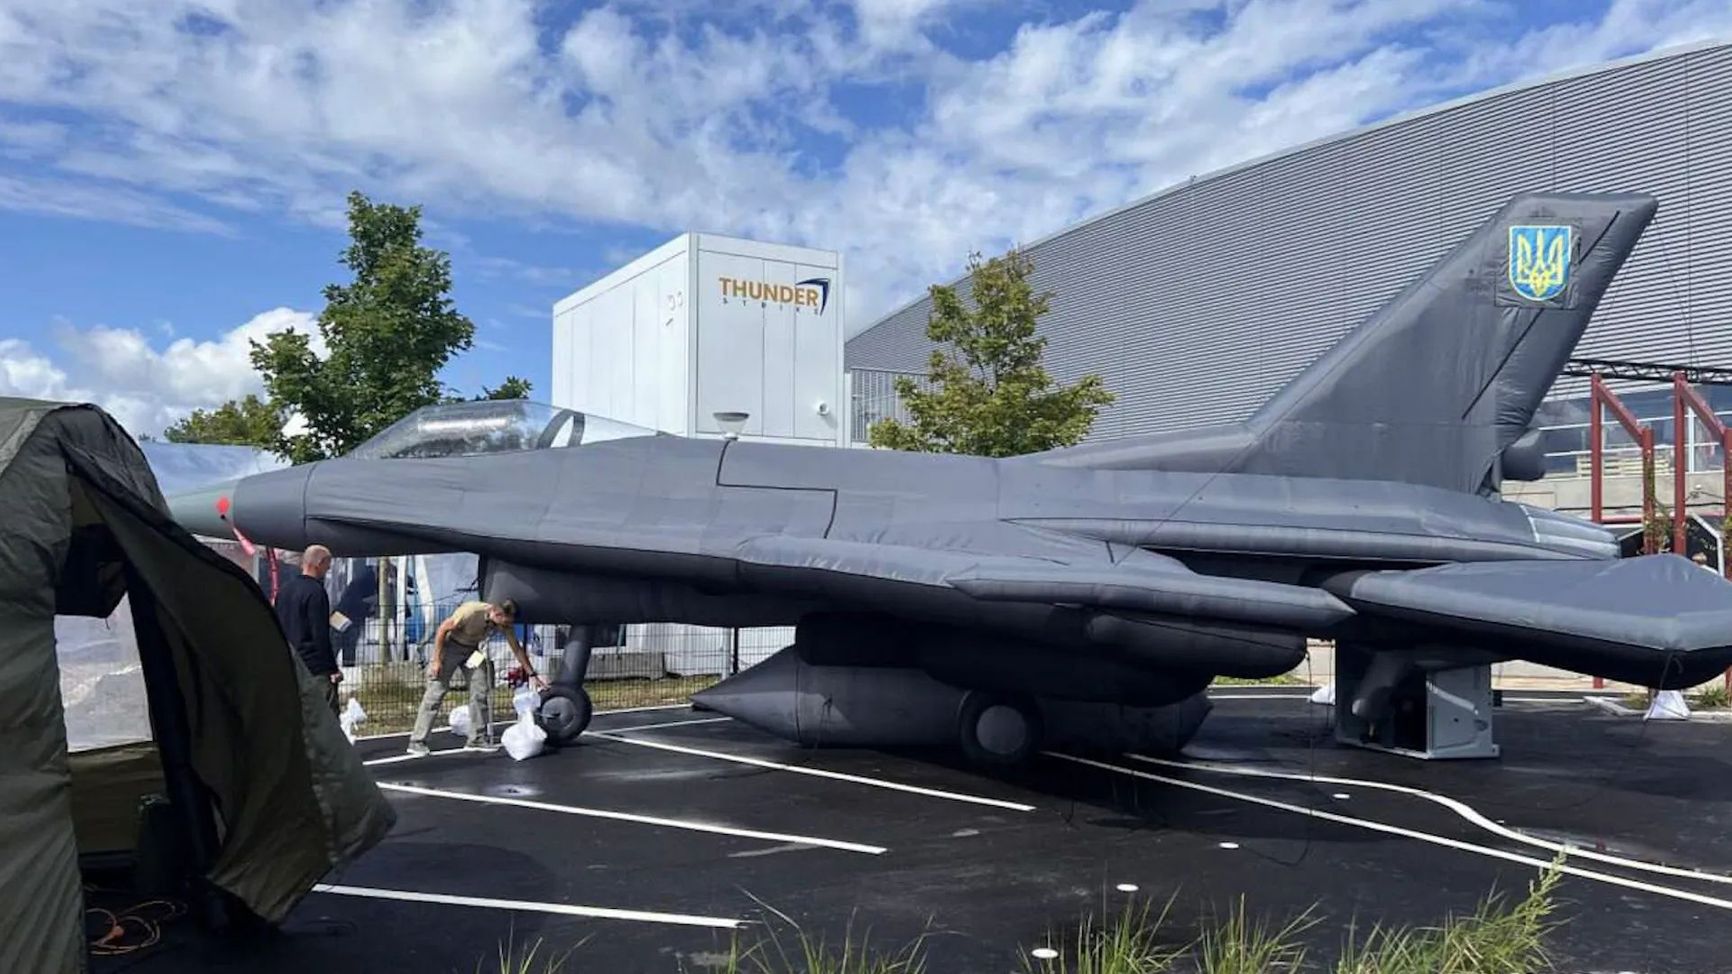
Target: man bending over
[457,646]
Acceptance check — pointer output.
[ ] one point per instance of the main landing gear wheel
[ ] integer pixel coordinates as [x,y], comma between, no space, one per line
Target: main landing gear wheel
[565,712]
[998,731]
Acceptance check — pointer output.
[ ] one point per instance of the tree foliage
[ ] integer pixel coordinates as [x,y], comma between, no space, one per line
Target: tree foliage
[513,387]
[387,334]
[987,393]
[240,422]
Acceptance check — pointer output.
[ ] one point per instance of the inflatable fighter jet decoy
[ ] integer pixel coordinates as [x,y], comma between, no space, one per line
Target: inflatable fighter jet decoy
[1103,586]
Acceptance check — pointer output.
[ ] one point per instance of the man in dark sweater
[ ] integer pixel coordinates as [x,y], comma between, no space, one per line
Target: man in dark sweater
[304,610]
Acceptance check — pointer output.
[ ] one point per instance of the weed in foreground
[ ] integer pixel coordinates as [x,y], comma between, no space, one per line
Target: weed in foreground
[1128,943]
[1239,945]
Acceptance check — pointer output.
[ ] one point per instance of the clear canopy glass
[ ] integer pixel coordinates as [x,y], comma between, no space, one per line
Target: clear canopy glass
[490,426]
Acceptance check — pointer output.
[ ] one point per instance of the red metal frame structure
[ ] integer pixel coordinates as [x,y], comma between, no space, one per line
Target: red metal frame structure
[1599,396]
[1683,394]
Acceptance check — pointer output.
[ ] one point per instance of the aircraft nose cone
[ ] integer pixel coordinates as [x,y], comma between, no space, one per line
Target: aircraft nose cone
[206,511]
[764,696]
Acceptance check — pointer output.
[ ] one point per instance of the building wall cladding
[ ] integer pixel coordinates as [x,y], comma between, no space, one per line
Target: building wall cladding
[1198,303]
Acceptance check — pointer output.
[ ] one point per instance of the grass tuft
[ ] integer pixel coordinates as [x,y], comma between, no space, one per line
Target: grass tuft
[513,959]
[1284,680]
[1128,943]
[1239,945]
[786,948]
[1491,940]
[1712,697]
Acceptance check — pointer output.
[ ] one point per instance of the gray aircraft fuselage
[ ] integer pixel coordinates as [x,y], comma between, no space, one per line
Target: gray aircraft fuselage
[1361,503]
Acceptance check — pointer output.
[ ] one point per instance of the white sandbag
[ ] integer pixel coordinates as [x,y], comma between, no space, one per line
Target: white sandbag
[352,716]
[524,739]
[527,700]
[460,720]
[1668,705]
[1325,695]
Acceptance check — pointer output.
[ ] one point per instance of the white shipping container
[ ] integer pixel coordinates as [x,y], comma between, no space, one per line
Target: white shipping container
[706,324]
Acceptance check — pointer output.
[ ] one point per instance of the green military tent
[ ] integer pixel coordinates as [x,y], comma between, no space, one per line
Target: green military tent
[263,791]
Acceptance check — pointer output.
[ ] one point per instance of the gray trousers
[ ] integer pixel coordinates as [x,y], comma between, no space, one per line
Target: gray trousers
[480,682]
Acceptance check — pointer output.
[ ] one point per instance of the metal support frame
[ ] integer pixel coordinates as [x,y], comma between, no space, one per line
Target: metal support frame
[1600,397]
[1685,402]
[1684,395]
[1385,702]
[1647,371]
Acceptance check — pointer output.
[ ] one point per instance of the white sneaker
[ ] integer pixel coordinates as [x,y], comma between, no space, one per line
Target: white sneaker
[418,750]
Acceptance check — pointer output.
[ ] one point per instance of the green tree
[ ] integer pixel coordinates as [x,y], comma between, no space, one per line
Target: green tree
[512,388]
[987,393]
[241,422]
[387,334]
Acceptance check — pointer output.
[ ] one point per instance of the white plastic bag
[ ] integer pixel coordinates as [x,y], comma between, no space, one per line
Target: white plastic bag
[527,700]
[351,716]
[524,739]
[460,720]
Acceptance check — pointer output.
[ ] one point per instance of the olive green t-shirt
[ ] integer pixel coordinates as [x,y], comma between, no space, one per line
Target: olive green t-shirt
[470,625]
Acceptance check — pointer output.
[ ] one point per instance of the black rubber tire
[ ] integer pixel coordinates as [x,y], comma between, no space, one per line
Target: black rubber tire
[564,713]
[995,709]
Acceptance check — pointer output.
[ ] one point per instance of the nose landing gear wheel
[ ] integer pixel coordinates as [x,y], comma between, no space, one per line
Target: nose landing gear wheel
[998,731]
[565,713]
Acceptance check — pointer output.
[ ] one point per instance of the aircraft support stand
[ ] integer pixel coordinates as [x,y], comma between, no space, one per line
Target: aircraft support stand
[1385,702]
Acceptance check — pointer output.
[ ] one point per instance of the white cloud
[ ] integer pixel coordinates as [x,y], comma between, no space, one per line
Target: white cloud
[143,386]
[757,118]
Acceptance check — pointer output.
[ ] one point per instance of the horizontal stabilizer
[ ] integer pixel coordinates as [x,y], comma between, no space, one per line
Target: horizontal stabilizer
[1657,620]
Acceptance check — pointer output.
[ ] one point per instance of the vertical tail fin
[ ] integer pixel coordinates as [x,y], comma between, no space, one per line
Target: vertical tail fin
[1436,386]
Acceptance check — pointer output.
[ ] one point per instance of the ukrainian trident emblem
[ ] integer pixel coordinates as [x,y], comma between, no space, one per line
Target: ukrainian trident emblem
[1539,261]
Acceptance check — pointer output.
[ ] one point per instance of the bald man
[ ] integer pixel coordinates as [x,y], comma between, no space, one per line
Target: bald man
[305,612]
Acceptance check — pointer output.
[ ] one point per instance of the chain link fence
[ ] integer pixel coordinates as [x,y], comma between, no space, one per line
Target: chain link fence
[385,663]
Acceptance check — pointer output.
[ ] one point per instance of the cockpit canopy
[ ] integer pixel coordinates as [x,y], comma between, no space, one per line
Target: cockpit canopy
[490,426]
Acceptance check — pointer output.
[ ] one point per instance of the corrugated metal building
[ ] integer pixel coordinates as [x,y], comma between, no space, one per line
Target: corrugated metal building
[1198,302]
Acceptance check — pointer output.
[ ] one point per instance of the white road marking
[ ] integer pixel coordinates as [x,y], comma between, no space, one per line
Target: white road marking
[531,906]
[442,752]
[503,723]
[1571,698]
[1427,837]
[672,823]
[671,723]
[1455,805]
[817,772]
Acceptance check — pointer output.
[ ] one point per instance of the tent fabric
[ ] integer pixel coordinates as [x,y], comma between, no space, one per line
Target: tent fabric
[85,526]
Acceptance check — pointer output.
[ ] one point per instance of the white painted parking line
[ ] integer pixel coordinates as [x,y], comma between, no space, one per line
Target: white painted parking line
[1259,696]
[1455,805]
[671,823]
[671,723]
[817,772]
[503,723]
[1414,834]
[441,753]
[531,906]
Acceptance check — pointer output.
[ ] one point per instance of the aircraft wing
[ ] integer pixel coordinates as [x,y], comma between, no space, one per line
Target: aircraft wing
[1139,582]
[1654,620]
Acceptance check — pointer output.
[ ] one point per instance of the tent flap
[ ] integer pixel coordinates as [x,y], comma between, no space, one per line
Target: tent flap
[85,524]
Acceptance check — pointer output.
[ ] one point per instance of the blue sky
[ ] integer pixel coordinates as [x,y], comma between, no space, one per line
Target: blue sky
[172,174]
